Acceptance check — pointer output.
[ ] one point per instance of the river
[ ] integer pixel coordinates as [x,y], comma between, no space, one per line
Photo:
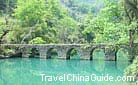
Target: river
[35,71]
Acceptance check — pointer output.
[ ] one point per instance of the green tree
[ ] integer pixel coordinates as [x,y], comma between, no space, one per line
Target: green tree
[69,31]
[131,11]
[37,40]
[7,6]
[108,25]
[39,19]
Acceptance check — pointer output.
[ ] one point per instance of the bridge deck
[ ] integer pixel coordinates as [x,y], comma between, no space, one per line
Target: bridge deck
[54,44]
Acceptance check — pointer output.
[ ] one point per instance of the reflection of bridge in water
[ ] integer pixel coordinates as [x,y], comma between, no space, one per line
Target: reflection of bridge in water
[64,50]
[30,67]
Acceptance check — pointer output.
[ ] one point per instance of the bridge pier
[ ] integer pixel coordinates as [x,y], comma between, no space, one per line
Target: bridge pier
[110,54]
[62,54]
[84,54]
[25,53]
[42,54]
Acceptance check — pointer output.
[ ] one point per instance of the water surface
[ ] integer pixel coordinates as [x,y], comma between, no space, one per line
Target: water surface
[24,71]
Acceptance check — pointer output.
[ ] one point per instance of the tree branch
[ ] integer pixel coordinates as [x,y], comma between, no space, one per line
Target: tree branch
[29,33]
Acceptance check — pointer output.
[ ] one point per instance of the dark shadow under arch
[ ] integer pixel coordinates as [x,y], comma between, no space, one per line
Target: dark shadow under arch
[52,53]
[34,53]
[73,54]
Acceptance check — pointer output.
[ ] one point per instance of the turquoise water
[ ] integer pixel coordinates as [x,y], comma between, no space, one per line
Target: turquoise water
[24,71]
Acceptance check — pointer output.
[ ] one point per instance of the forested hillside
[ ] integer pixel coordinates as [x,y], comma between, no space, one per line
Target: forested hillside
[78,9]
[65,21]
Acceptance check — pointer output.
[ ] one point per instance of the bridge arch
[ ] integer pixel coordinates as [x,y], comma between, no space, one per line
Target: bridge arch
[30,52]
[72,53]
[52,53]
[97,53]
[122,54]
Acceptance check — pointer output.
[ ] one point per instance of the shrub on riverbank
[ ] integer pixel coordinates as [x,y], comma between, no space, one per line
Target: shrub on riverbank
[132,70]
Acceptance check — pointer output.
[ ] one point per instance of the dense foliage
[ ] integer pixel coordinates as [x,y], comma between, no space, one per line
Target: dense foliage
[132,70]
[65,21]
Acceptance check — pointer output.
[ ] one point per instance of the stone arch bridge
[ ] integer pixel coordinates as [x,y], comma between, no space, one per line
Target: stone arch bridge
[85,50]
